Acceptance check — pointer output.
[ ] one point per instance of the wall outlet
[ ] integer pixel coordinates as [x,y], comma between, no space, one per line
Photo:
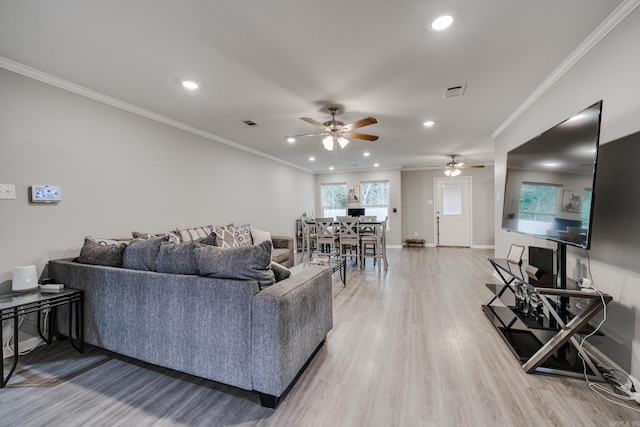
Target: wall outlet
[8,191]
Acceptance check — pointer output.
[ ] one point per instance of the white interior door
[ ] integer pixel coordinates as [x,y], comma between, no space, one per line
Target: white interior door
[453,211]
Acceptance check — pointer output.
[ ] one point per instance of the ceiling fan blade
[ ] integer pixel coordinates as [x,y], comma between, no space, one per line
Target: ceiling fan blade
[360,136]
[308,134]
[315,123]
[470,166]
[360,123]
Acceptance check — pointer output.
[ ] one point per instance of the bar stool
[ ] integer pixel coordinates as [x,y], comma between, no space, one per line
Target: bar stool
[349,237]
[372,244]
[325,237]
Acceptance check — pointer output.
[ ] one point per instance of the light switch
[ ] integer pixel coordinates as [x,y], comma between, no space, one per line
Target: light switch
[8,191]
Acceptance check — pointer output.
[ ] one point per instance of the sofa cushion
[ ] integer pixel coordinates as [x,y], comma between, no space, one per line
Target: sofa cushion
[174,236]
[280,272]
[280,255]
[178,258]
[259,236]
[141,254]
[191,234]
[96,253]
[225,236]
[242,234]
[241,263]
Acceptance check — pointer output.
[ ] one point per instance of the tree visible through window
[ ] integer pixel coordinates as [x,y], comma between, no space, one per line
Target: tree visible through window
[375,198]
[537,207]
[334,200]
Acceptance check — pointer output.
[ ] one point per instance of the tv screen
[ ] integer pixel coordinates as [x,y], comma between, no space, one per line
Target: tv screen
[550,180]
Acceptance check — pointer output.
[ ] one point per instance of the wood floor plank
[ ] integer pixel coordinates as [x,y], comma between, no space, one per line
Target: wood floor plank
[410,347]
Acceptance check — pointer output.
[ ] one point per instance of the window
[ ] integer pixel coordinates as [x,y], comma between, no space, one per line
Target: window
[375,198]
[334,200]
[537,207]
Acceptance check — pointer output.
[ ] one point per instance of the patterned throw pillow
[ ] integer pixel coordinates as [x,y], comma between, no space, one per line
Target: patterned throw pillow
[191,234]
[225,237]
[243,235]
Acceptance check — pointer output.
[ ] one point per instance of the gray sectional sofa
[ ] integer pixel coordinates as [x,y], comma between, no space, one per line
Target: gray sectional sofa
[225,330]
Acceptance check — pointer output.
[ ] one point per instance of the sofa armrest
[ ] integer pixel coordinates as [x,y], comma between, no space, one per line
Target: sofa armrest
[290,319]
[282,242]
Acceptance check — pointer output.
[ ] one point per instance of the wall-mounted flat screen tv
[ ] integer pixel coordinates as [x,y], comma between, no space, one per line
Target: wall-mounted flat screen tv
[550,181]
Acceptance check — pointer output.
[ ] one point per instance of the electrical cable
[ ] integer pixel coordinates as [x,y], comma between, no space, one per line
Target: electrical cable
[597,388]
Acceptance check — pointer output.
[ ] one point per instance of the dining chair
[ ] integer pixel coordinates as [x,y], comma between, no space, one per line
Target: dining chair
[372,244]
[349,237]
[325,237]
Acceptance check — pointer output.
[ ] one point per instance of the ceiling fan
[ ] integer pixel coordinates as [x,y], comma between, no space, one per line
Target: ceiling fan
[337,132]
[453,167]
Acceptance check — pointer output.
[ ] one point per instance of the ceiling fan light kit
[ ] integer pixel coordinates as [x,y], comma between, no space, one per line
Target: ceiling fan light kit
[336,132]
[453,168]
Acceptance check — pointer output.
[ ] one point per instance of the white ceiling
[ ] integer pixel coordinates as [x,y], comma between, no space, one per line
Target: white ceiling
[274,61]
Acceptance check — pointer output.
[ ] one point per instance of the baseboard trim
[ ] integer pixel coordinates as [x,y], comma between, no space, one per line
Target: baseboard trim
[483,247]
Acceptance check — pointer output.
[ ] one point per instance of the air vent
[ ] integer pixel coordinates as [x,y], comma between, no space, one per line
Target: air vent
[250,123]
[454,91]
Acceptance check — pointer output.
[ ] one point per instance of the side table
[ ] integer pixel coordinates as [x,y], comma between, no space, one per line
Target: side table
[15,304]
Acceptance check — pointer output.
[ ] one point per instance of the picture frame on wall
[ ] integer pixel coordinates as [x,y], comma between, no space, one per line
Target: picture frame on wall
[353,194]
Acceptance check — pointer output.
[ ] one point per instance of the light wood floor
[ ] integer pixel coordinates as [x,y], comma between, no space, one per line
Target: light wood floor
[410,347]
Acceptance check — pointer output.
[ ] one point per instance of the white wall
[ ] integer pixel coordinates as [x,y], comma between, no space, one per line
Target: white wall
[120,172]
[418,215]
[608,72]
[355,178]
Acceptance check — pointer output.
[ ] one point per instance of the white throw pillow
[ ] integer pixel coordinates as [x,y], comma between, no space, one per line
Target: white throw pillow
[259,236]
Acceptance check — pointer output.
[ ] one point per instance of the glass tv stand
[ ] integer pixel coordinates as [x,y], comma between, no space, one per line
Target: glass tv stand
[542,323]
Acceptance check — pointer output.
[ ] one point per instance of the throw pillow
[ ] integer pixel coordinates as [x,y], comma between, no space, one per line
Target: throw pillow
[240,263]
[209,240]
[242,234]
[141,254]
[191,234]
[280,272]
[225,236]
[178,258]
[96,253]
[259,236]
[174,236]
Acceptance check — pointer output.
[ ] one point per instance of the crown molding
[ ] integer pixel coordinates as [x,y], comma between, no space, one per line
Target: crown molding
[114,102]
[617,16]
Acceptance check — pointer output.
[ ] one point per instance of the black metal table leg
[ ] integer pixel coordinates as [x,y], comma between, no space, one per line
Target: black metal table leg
[16,351]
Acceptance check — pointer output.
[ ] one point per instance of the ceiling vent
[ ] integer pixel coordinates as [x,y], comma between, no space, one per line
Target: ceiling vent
[250,123]
[455,91]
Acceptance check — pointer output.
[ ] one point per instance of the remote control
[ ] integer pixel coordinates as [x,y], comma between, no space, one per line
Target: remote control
[51,287]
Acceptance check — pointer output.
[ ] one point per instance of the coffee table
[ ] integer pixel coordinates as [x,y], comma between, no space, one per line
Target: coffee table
[335,264]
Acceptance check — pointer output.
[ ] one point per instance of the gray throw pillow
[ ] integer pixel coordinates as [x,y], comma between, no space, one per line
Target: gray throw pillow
[96,253]
[141,254]
[280,271]
[178,258]
[241,263]
[209,240]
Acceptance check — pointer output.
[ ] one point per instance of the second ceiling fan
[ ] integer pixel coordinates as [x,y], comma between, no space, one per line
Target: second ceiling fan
[337,132]
[453,167]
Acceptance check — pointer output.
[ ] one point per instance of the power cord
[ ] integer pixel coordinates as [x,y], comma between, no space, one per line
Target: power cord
[20,321]
[624,386]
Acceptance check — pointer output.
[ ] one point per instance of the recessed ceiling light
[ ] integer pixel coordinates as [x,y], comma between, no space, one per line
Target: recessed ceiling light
[331,168]
[311,159]
[190,85]
[442,22]
[375,165]
[366,154]
[429,123]
[291,140]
